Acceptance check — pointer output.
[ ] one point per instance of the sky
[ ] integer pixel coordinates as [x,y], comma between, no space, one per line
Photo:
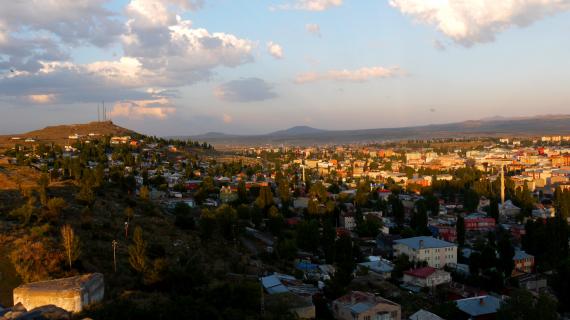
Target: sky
[186,67]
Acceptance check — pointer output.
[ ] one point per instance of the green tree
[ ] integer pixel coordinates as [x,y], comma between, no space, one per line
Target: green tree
[460,228]
[137,252]
[506,254]
[521,305]
[54,208]
[419,219]
[397,208]
[71,244]
[276,221]
[43,184]
[265,198]
[144,193]
[308,235]
[494,209]
[242,192]
[362,193]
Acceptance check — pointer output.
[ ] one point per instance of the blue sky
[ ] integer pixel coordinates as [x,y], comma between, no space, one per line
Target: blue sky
[170,67]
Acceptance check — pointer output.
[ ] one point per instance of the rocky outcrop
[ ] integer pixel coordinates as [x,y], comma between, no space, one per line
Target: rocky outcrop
[19,312]
[71,294]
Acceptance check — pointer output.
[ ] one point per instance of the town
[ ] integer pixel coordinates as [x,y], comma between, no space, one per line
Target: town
[449,228]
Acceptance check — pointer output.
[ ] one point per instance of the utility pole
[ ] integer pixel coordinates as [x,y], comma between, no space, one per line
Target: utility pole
[126,230]
[115,244]
[262,298]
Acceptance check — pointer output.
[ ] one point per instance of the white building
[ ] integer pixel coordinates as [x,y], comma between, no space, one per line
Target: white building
[426,277]
[437,253]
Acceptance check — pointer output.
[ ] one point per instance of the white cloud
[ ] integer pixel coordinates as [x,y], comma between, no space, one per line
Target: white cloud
[168,45]
[313,28]
[358,75]
[227,118]
[245,90]
[41,98]
[161,51]
[310,5]
[275,50]
[72,21]
[155,108]
[477,21]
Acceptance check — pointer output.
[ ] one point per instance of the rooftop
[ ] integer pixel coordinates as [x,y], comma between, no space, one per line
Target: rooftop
[421,272]
[424,243]
[478,306]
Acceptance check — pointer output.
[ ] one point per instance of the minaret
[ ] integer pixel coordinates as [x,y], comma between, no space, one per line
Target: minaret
[304,181]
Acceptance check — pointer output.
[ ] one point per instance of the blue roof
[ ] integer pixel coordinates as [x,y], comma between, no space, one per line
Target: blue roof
[519,255]
[428,242]
[378,266]
[273,284]
[306,266]
[360,307]
[478,306]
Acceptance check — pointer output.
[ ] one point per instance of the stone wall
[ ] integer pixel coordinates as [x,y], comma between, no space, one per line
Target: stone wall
[72,294]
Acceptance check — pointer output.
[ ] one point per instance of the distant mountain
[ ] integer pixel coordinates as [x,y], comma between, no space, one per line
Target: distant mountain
[298,130]
[491,127]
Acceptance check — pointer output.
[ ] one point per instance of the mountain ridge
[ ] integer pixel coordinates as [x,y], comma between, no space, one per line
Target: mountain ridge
[489,127]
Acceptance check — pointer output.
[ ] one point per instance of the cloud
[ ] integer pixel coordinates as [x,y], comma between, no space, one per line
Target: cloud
[275,50]
[245,90]
[41,98]
[310,5]
[71,83]
[439,45]
[71,21]
[358,75]
[314,29]
[478,21]
[155,108]
[227,118]
[162,51]
[168,45]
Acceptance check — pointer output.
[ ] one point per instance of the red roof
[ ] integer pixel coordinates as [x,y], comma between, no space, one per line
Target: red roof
[421,272]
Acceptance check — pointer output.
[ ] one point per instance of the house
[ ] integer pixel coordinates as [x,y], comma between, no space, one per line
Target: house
[281,283]
[426,277]
[348,221]
[532,282]
[476,222]
[437,253]
[358,305]
[379,266]
[71,294]
[424,315]
[444,232]
[479,308]
[524,262]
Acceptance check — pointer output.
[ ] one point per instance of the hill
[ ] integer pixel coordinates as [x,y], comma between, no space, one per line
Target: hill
[60,133]
[493,127]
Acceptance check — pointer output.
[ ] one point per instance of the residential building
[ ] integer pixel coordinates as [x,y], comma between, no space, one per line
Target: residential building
[437,253]
[426,277]
[379,266]
[424,315]
[524,262]
[479,308]
[358,305]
